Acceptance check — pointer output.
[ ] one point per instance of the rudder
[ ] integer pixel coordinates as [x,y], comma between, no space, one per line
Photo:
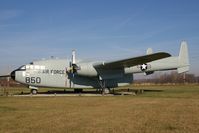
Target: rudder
[183,58]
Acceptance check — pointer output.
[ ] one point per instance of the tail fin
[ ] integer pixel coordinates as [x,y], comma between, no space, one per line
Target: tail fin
[149,51]
[183,58]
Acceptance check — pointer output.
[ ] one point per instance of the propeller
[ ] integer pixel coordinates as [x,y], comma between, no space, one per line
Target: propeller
[73,65]
[8,76]
[73,60]
[73,68]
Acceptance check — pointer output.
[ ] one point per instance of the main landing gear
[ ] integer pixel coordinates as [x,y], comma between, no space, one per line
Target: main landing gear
[103,89]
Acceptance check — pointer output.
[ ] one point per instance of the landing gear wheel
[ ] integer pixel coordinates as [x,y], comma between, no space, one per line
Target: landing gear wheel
[34,91]
[107,90]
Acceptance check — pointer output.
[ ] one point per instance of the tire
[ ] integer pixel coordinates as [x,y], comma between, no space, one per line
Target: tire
[107,91]
[34,91]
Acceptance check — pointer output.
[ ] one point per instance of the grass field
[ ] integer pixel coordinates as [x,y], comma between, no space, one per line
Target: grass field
[165,109]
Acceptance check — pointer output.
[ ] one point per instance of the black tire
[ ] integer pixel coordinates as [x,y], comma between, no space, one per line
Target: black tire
[34,91]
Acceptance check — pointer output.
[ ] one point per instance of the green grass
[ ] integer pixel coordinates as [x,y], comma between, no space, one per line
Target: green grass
[174,109]
[179,91]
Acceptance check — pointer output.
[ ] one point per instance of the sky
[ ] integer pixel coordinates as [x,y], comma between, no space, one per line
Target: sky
[96,29]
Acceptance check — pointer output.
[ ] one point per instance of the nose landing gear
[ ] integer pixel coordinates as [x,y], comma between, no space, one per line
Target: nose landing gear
[34,90]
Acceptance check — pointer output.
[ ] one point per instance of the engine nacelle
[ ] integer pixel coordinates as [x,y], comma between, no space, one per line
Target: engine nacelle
[86,69]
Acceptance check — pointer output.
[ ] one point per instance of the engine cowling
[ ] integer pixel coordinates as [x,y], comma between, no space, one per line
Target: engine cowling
[86,69]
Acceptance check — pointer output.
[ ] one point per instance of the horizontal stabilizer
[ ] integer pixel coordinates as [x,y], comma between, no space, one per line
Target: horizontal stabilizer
[183,69]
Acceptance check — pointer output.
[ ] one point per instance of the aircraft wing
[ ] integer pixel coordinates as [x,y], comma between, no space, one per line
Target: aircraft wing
[129,62]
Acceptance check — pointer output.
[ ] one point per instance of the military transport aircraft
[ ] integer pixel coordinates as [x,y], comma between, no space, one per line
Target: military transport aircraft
[63,73]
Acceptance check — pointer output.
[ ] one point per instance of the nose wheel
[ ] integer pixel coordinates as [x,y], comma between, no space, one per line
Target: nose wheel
[34,91]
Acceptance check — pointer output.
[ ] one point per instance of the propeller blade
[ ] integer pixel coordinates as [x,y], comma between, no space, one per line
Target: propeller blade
[5,76]
[73,57]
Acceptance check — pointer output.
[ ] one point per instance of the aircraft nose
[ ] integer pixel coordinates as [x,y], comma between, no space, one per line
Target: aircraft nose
[12,75]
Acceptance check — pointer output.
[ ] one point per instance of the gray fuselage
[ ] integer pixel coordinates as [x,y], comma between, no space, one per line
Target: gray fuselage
[54,73]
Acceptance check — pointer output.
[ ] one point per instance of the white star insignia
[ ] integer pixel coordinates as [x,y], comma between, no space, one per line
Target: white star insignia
[143,67]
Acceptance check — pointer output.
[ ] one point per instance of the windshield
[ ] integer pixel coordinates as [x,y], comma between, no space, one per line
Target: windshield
[22,67]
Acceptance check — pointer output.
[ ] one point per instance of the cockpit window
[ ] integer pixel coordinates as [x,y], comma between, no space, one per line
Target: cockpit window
[35,67]
[22,68]
[31,67]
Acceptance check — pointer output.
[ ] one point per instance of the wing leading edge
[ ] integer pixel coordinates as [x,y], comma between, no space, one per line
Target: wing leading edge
[129,62]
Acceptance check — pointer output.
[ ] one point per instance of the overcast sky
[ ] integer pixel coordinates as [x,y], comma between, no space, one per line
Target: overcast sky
[36,29]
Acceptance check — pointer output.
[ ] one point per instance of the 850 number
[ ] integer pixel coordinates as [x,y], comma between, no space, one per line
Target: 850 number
[33,80]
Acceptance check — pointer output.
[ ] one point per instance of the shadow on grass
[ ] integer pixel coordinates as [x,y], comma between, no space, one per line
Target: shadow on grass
[153,90]
[68,92]
[115,92]
[62,92]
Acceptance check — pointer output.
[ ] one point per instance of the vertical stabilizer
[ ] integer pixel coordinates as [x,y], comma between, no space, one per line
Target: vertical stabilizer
[183,58]
[149,51]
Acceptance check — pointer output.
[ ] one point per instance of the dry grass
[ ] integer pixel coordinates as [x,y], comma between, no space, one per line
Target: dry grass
[176,109]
